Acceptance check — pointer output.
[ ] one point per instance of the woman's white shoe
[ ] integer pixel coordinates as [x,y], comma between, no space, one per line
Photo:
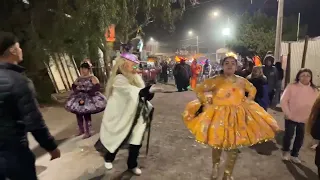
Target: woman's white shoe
[136,171]
[108,165]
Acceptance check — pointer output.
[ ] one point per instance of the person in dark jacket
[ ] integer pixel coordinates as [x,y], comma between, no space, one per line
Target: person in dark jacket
[278,66]
[260,82]
[182,75]
[164,71]
[314,129]
[19,114]
[248,69]
[272,76]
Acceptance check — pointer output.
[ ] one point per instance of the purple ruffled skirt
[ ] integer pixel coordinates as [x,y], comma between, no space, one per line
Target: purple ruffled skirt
[92,104]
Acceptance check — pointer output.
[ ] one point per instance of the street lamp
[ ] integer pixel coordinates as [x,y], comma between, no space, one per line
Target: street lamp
[215,14]
[226,31]
[151,39]
[197,40]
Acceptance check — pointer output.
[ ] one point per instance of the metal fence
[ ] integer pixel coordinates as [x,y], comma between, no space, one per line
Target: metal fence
[312,57]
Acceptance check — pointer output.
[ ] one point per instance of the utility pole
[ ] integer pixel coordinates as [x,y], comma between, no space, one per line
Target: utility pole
[298,28]
[277,51]
[198,44]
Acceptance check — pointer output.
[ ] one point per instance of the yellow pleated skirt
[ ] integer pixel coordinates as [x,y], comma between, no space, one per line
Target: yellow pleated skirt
[230,127]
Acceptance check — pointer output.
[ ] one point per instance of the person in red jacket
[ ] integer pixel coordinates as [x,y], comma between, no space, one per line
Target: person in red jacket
[195,71]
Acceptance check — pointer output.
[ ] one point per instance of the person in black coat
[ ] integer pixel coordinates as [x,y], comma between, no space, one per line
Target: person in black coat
[261,84]
[272,76]
[164,71]
[280,71]
[19,114]
[182,75]
[314,129]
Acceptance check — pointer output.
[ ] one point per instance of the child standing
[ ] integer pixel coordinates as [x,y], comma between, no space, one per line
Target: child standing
[296,102]
[85,99]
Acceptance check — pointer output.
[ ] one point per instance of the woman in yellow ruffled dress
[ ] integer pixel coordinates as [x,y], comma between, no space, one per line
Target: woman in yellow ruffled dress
[229,120]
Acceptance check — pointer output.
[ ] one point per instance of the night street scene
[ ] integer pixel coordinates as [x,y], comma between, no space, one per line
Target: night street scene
[159,90]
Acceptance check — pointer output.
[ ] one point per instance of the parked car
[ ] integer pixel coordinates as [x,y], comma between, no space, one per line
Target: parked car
[149,73]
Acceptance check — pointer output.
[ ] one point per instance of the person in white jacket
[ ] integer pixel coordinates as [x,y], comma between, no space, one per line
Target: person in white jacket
[123,122]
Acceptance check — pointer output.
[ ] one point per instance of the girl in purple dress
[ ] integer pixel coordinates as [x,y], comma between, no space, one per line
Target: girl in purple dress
[85,99]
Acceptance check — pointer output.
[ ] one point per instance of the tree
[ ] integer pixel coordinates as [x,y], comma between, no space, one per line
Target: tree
[75,27]
[256,33]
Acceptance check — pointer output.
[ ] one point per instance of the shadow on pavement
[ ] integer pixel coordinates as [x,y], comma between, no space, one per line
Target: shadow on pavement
[39,151]
[40,169]
[279,137]
[98,177]
[62,136]
[268,147]
[126,175]
[265,148]
[309,174]
[278,109]
[166,92]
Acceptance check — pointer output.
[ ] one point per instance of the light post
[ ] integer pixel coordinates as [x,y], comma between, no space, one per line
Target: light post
[152,45]
[298,28]
[190,33]
[226,32]
[277,51]
[197,44]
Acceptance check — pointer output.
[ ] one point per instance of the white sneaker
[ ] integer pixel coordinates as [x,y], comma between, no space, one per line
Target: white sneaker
[136,171]
[108,165]
[296,160]
[286,156]
[314,147]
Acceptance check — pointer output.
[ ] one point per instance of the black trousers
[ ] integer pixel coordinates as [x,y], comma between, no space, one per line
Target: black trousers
[165,78]
[271,96]
[292,127]
[132,161]
[17,164]
[182,85]
[317,158]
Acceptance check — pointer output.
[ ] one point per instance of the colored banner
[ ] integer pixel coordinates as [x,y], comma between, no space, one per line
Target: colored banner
[110,34]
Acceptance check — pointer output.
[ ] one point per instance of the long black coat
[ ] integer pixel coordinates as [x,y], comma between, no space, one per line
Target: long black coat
[182,74]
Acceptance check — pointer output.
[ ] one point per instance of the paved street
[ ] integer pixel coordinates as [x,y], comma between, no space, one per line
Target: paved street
[174,155]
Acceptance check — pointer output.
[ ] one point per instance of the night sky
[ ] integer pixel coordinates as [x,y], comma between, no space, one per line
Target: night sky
[208,29]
